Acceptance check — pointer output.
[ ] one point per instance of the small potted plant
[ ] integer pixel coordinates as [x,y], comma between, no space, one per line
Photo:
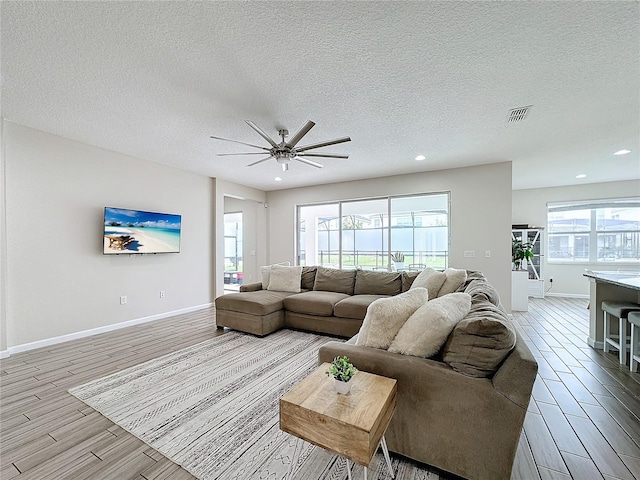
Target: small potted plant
[520,251]
[398,259]
[342,371]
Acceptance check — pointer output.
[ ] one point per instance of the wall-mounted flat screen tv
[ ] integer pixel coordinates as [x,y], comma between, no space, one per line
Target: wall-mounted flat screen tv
[134,231]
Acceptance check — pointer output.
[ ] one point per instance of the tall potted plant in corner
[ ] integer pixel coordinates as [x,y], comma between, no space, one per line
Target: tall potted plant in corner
[398,260]
[520,252]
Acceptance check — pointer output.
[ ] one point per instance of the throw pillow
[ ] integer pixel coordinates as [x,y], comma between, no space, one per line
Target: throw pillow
[285,279]
[386,316]
[426,331]
[265,272]
[454,277]
[430,279]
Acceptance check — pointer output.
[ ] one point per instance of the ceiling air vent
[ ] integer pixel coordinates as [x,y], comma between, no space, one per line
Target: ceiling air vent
[518,114]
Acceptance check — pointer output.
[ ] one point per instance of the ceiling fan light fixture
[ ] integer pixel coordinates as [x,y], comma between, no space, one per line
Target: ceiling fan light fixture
[284,152]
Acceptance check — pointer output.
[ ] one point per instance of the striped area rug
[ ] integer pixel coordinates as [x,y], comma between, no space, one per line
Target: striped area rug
[213,409]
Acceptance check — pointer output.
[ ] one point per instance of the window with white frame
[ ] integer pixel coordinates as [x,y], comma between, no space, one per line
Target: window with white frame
[364,233]
[603,231]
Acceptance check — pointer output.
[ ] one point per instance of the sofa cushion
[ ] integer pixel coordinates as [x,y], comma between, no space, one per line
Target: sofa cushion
[285,279]
[481,341]
[377,283]
[424,333]
[386,316]
[335,280]
[262,302]
[430,279]
[308,278]
[355,306]
[483,290]
[314,303]
[407,280]
[454,277]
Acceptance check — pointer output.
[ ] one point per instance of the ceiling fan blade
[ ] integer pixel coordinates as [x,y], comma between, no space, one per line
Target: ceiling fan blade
[246,153]
[325,155]
[260,161]
[262,134]
[241,143]
[301,133]
[308,162]
[324,144]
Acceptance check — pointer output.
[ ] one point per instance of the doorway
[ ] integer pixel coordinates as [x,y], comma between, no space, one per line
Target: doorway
[233,246]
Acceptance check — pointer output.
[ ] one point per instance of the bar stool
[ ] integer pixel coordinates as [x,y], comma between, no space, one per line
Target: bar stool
[634,320]
[621,311]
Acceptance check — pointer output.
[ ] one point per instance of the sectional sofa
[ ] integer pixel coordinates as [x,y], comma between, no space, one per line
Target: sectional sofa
[461,409]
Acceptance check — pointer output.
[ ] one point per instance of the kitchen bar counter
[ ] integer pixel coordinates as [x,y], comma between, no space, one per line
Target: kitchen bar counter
[612,286]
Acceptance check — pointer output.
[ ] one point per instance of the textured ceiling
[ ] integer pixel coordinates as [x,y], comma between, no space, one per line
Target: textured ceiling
[156,79]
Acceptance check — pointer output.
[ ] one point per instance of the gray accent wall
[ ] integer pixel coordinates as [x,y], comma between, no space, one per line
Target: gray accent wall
[58,280]
[480,214]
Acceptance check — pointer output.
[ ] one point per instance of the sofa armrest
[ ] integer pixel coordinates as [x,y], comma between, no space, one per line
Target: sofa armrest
[515,377]
[251,287]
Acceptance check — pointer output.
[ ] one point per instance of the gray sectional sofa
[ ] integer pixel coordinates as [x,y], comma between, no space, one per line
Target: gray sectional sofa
[330,301]
[461,410]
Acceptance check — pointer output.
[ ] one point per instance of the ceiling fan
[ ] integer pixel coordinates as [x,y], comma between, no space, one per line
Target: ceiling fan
[286,151]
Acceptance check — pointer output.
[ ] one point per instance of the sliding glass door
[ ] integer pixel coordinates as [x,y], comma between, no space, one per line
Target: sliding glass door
[364,233]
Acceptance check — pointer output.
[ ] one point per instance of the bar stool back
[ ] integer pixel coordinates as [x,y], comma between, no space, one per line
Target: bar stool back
[634,320]
[621,311]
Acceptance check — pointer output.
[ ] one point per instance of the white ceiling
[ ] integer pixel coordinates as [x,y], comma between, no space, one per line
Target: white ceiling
[155,79]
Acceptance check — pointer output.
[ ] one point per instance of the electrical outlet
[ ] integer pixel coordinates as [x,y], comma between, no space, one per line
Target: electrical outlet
[123,299]
[161,293]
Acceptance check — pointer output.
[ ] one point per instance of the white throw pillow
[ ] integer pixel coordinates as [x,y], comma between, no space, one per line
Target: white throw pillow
[430,279]
[426,331]
[454,278]
[265,272]
[285,279]
[386,316]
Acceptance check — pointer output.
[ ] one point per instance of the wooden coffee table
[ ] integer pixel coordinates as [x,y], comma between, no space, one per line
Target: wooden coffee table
[351,425]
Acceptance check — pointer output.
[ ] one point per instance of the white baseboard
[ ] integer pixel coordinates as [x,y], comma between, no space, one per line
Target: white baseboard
[566,295]
[595,344]
[94,331]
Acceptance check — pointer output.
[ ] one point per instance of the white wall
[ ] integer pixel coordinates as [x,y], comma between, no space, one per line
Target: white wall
[530,207]
[58,280]
[480,214]
[3,249]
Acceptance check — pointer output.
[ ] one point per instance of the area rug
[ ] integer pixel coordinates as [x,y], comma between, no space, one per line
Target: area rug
[213,409]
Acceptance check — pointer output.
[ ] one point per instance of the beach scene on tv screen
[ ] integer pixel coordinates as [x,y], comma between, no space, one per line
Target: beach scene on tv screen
[134,231]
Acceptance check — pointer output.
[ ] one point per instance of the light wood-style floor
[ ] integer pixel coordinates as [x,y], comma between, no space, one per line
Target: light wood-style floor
[583,421]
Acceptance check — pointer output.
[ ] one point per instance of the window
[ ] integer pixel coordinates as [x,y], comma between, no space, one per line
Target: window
[597,231]
[363,233]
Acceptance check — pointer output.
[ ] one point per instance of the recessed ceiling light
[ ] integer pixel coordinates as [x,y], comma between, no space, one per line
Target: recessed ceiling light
[278,179]
[622,152]
[420,157]
[582,175]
